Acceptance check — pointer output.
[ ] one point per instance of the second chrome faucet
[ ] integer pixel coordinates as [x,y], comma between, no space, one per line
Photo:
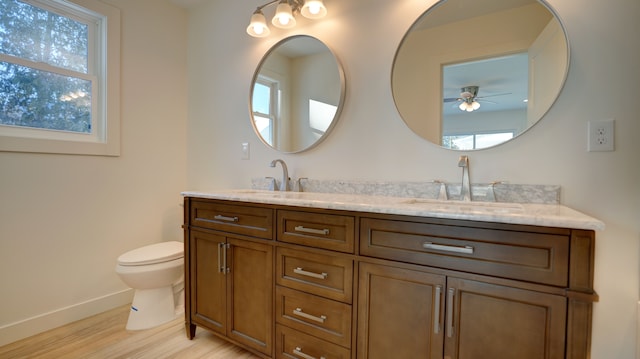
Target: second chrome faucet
[465,186]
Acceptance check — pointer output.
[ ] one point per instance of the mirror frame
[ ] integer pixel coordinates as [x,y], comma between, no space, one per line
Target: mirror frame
[560,88]
[341,100]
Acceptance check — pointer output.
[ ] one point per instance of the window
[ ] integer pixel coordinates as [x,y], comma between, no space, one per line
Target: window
[475,141]
[59,77]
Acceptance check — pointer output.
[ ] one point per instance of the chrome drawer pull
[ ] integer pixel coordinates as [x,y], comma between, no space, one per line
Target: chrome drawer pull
[446,248]
[310,274]
[300,313]
[322,232]
[298,351]
[226,219]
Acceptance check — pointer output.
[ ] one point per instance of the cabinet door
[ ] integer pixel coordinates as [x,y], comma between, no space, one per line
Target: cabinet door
[400,313]
[496,322]
[250,294]
[208,299]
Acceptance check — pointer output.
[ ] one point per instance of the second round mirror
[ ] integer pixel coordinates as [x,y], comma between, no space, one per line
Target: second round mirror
[471,74]
[297,94]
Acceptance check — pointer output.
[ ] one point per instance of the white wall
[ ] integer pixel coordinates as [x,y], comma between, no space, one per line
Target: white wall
[65,219]
[372,142]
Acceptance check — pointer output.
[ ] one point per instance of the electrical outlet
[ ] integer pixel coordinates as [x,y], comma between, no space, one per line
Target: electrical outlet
[601,136]
[245,150]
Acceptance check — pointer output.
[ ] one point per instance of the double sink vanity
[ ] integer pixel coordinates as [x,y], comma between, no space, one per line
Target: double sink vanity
[335,275]
[407,273]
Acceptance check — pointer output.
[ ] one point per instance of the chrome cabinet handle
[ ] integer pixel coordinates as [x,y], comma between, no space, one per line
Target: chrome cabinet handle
[225,218]
[298,351]
[224,247]
[322,232]
[446,248]
[310,274]
[450,294]
[219,257]
[436,306]
[300,313]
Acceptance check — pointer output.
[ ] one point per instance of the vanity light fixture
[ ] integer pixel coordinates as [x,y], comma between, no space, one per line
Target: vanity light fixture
[284,17]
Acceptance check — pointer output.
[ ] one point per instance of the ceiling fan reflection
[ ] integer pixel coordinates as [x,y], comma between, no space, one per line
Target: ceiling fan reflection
[469,99]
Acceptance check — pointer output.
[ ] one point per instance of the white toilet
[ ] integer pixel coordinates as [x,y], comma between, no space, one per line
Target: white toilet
[156,272]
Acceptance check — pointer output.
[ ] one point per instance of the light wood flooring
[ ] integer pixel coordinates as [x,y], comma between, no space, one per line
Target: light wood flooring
[104,337]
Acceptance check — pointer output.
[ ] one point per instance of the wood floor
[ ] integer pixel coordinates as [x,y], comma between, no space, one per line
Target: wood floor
[104,337]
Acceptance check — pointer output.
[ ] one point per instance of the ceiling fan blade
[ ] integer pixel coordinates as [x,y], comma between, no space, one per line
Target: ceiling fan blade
[486,101]
[452,99]
[498,94]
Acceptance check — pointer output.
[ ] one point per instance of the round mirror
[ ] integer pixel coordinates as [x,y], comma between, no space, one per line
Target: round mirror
[472,74]
[297,94]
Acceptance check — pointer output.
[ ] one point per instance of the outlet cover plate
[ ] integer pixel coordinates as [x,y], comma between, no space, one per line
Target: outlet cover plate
[601,135]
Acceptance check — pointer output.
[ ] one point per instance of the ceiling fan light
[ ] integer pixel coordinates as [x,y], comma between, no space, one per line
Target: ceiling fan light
[258,25]
[284,16]
[463,106]
[313,9]
[475,105]
[469,108]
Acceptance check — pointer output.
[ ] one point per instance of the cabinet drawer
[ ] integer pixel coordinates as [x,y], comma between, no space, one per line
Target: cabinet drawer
[320,317]
[319,230]
[291,344]
[241,219]
[536,257]
[327,276]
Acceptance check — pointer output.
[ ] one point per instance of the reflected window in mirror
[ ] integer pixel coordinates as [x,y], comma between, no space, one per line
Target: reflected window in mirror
[475,141]
[320,116]
[265,108]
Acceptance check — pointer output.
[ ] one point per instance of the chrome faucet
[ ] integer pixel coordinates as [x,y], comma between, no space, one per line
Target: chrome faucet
[465,187]
[284,186]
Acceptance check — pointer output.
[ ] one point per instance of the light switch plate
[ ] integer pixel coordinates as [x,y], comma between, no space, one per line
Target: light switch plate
[245,151]
[601,135]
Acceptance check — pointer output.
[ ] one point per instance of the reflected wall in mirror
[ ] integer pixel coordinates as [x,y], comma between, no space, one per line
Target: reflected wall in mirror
[472,74]
[297,94]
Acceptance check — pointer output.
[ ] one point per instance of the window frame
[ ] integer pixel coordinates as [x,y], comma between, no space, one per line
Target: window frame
[103,69]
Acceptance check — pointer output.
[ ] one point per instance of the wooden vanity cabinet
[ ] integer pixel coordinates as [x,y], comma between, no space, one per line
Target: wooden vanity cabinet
[229,276]
[301,283]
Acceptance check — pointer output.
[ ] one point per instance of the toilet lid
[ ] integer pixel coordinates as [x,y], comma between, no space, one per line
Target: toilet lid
[154,253]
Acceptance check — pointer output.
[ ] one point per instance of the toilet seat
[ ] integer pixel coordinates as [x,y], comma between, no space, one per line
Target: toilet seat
[152,254]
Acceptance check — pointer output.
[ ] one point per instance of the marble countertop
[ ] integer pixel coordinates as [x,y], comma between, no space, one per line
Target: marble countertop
[550,215]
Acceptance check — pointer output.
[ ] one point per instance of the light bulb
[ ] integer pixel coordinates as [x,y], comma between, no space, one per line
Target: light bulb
[284,16]
[258,25]
[463,106]
[475,105]
[313,9]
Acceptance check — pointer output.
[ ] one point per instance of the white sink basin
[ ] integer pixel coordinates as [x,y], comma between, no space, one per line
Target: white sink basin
[466,207]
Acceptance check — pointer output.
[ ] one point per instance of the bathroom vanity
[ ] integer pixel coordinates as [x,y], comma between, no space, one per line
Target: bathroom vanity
[313,275]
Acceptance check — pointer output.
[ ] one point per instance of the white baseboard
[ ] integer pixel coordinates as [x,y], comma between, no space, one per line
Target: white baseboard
[25,328]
